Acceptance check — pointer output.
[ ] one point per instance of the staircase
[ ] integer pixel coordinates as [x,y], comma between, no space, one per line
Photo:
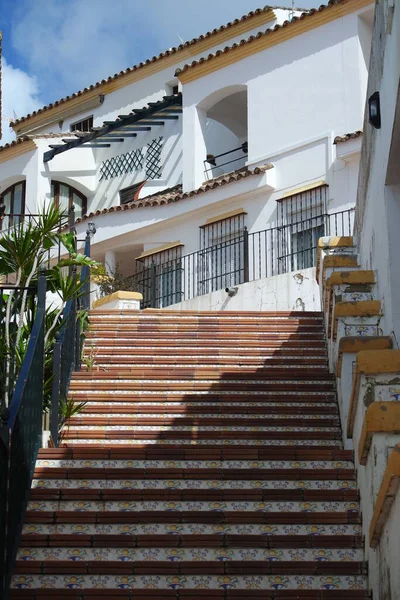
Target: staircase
[207,463]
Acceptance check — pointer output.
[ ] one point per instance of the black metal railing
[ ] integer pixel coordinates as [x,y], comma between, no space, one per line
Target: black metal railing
[217,164]
[17,308]
[238,258]
[68,346]
[20,439]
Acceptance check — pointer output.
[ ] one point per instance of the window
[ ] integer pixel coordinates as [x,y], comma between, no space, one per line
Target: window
[85,125]
[304,246]
[64,196]
[12,205]
[131,193]
[222,254]
[159,275]
[301,222]
[175,89]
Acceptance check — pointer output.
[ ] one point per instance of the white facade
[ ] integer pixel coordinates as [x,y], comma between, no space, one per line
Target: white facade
[287,102]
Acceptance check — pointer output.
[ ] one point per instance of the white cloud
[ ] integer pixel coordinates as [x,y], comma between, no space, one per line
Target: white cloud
[70,45]
[20,96]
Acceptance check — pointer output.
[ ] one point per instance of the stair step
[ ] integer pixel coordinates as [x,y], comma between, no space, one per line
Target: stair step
[210,410]
[187,567]
[206,462]
[203,422]
[261,496]
[188,594]
[189,453]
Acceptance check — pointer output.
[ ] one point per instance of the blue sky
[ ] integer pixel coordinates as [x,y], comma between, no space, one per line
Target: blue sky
[52,48]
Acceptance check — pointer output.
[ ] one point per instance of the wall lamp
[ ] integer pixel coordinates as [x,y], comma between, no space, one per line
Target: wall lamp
[374,110]
[231,291]
[91,229]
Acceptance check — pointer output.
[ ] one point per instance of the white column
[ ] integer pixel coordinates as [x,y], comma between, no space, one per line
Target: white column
[110,262]
[194,147]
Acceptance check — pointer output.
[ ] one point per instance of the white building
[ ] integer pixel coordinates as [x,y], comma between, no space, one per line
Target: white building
[240,148]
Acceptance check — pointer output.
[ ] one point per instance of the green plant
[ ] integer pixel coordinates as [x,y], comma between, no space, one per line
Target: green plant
[112,280]
[68,408]
[89,359]
[24,249]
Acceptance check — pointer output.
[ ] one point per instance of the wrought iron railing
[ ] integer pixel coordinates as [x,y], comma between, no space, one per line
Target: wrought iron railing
[238,258]
[17,308]
[20,438]
[68,346]
[218,164]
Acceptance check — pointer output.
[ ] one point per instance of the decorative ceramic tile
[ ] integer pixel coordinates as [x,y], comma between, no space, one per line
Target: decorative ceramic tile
[143,393]
[191,484]
[189,529]
[167,382]
[196,464]
[387,393]
[128,506]
[197,417]
[199,428]
[178,582]
[189,554]
[361,330]
[355,296]
[110,443]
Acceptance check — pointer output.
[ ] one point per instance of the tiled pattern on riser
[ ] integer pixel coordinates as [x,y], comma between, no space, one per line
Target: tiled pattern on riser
[177,582]
[207,462]
[270,531]
[174,555]
[193,484]
[123,506]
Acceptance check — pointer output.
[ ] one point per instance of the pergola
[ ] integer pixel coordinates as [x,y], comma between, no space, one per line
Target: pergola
[155,114]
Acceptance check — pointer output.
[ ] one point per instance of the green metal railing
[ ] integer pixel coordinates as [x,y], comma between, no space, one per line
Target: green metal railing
[20,440]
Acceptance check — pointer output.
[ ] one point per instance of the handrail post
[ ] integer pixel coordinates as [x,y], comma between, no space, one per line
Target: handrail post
[153,285]
[245,255]
[71,219]
[85,298]
[55,390]
[42,288]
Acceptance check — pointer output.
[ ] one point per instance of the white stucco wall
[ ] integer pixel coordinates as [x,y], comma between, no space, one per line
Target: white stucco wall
[309,88]
[378,202]
[293,291]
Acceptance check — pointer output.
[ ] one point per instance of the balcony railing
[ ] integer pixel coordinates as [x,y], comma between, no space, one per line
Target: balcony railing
[231,160]
[240,258]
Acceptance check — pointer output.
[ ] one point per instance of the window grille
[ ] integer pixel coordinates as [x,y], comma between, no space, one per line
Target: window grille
[153,159]
[85,125]
[124,163]
[159,277]
[301,222]
[221,260]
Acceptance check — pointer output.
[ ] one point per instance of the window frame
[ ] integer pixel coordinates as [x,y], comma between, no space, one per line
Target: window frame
[72,191]
[73,126]
[11,188]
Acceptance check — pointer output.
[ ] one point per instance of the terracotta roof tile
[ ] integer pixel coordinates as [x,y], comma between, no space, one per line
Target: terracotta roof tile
[154,59]
[175,194]
[305,15]
[16,142]
[339,139]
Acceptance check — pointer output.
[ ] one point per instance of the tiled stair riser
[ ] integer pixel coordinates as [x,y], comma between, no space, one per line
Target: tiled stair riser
[351,327]
[252,493]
